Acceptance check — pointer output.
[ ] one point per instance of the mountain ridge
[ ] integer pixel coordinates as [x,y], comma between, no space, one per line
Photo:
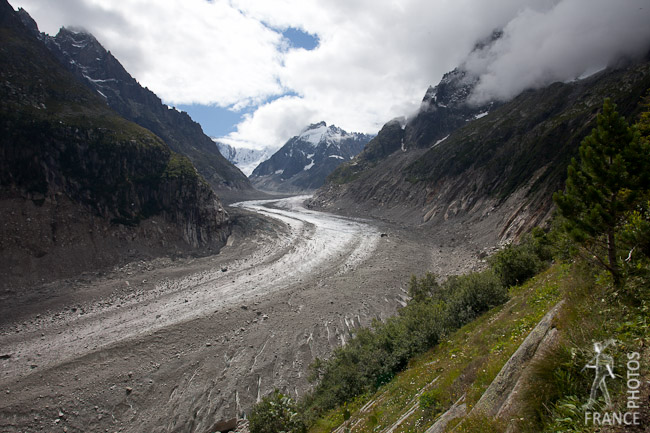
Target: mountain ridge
[305,160]
[82,187]
[244,158]
[82,54]
[497,171]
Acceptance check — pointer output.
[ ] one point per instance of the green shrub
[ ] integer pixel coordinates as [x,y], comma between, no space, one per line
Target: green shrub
[516,264]
[276,413]
[424,288]
[374,355]
[431,401]
[473,294]
[542,244]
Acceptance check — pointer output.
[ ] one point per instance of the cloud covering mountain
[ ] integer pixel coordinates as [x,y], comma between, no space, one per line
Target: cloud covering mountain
[373,59]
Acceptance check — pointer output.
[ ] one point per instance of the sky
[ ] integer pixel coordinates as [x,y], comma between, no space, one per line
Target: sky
[254,73]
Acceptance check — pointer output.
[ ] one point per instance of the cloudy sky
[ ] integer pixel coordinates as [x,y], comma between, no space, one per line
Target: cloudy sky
[256,72]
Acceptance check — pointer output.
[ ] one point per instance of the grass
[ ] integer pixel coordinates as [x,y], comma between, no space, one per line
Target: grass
[468,360]
[560,384]
[464,363]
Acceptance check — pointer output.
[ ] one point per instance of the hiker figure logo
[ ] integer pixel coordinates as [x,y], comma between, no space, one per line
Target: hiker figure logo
[603,364]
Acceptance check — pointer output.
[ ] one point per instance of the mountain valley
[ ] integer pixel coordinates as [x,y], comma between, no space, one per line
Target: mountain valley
[420,279]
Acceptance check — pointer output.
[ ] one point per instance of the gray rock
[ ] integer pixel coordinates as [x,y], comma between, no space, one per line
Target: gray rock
[497,394]
[457,410]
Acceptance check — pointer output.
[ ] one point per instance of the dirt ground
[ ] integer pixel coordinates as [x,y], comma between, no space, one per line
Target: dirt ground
[177,345]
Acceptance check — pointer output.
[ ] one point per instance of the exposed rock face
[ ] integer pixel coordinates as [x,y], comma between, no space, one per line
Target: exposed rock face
[304,162]
[540,338]
[457,410]
[62,147]
[495,173]
[444,109]
[124,181]
[98,69]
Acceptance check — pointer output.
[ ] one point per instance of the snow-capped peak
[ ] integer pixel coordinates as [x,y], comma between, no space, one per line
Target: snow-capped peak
[318,133]
[314,133]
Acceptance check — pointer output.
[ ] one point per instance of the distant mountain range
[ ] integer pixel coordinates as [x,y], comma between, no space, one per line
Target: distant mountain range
[99,70]
[305,160]
[245,159]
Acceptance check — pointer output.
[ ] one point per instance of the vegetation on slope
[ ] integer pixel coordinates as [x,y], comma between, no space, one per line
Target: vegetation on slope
[375,355]
[362,389]
[537,130]
[59,137]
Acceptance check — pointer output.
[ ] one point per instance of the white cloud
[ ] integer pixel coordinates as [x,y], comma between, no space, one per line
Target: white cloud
[560,44]
[374,61]
[272,123]
[186,51]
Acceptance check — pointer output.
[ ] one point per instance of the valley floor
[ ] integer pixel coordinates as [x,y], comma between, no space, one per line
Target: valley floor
[176,345]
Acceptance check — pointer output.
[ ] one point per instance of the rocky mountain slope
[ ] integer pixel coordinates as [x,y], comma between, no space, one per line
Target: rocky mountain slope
[494,167]
[244,158]
[80,186]
[98,69]
[304,162]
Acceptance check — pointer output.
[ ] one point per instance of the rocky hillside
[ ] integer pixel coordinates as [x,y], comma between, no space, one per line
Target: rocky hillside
[98,69]
[304,162]
[494,167]
[80,186]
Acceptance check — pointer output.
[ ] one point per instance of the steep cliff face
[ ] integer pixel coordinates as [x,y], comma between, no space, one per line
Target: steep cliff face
[495,173]
[62,147]
[98,69]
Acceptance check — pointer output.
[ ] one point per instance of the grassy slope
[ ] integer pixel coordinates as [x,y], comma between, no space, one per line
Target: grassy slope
[470,358]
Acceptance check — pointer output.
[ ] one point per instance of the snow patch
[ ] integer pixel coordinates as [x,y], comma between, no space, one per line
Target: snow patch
[440,141]
[99,81]
[246,159]
[314,136]
[279,171]
[309,166]
[591,71]
[479,115]
[336,156]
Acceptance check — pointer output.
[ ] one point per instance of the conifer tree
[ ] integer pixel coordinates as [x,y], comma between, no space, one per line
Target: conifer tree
[604,186]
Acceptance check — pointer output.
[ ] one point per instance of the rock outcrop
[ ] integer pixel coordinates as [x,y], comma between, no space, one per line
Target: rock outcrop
[498,397]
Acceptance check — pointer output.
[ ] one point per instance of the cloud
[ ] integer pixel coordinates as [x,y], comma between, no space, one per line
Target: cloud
[272,123]
[565,42]
[186,51]
[374,61]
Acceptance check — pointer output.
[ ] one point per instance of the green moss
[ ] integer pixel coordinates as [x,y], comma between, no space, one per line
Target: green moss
[179,166]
